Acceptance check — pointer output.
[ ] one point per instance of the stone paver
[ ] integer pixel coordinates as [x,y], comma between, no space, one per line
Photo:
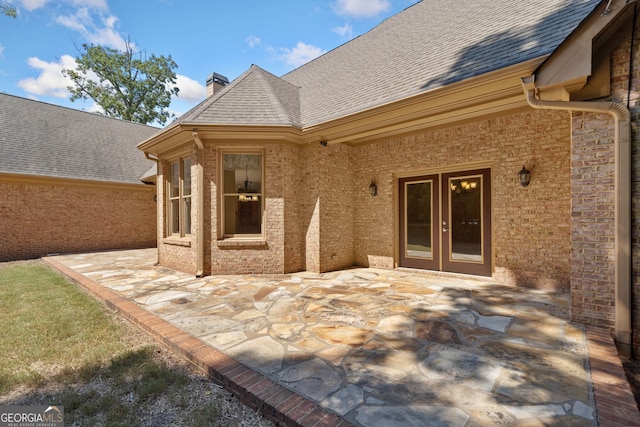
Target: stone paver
[367,347]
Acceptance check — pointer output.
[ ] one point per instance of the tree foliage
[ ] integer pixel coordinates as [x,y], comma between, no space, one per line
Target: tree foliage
[126,84]
[8,10]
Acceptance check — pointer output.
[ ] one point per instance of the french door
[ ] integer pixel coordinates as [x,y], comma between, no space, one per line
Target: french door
[445,222]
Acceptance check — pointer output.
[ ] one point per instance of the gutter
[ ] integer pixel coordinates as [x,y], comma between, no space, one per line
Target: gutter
[148,156]
[622,165]
[200,209]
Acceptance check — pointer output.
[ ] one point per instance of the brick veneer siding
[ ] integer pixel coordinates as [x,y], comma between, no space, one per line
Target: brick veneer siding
[336,175]
[319,215]
[179,254]
[296,184]
[223,257]
[592,219]
[531,225]
[310,206]
[620,64]
[620,85]
[39,218]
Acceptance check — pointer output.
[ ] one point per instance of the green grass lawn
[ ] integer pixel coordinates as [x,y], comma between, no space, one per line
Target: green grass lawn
[59,346]
[51,328]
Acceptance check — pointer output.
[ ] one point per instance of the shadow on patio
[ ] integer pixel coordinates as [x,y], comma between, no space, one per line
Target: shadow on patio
[372,347]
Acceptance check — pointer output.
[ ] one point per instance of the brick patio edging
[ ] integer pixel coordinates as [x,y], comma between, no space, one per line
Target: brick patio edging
[275,402]
[615,402]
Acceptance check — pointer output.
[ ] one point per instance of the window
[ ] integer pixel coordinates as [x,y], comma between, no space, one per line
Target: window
[242,194]
[179,198]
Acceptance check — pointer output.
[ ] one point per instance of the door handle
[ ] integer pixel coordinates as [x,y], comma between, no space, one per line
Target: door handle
[444,227]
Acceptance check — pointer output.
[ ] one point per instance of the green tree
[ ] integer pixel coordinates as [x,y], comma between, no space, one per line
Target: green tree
[129,85]
[8,10]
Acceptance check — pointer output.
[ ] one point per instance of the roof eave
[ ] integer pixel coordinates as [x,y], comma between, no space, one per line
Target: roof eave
[182,134]
[31,179]
[571,65]
[485,95]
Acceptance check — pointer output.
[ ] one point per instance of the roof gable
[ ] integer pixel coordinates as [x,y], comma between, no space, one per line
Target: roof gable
[48,140]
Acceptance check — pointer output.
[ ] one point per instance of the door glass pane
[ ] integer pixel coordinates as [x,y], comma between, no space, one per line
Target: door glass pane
[466,218]
[418,231]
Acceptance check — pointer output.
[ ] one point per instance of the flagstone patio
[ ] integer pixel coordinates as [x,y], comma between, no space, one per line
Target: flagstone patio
[377,347]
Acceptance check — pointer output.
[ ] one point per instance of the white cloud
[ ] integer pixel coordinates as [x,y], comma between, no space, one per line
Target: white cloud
[360,8]
[94,108]
[50,82]
[253,41]
[33,4]
[191,91]
[94,4]
[301,54]
[104,34]
[344,31]
[37,4]
[171,111]
[77,22]
[1,49]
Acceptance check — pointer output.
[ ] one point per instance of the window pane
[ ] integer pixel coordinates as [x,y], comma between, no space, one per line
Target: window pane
[187,215]
[243,214]
[242,173]
[186,170]
[175,216]
[242,184]
[174,185]
[230,212]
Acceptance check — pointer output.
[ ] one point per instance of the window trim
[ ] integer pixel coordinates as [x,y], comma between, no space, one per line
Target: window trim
[257,238]
[181,198]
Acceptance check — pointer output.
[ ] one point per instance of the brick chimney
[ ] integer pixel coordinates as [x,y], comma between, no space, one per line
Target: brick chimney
[215,82]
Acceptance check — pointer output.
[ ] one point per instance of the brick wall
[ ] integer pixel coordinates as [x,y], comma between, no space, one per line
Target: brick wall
[309,201]
[179,254]
[336,175]
[221,257]
[319,215]
[593,232]
[593,219]
[620,70]
[295,183]
[42,217]
[531,225]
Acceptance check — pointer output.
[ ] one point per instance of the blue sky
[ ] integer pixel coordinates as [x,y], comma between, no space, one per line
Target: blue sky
[201,36]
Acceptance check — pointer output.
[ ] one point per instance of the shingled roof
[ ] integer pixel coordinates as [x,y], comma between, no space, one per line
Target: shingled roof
[256,97]
[42,139]
[428,45]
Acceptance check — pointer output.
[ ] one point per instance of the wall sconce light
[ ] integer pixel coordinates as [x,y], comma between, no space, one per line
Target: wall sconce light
[373,189]
[524,176]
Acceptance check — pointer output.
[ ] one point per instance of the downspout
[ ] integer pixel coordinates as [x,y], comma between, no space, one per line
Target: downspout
[155,159]
[200,210]
[622,165]
[148,156]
